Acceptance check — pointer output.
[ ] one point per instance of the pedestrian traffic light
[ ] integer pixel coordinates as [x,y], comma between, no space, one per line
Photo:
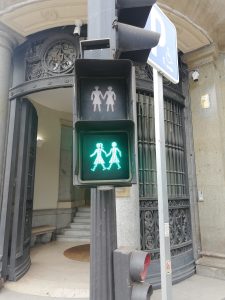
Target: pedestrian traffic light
[132,41]
[130,272]
[104,128]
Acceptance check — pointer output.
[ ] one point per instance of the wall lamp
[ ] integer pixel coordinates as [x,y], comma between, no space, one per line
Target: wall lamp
[40,141]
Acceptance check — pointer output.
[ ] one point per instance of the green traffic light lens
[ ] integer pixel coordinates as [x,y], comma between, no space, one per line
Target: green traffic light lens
[105,156]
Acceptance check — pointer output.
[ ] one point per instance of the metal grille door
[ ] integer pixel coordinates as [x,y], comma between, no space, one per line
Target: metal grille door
[179,206]
[17,207]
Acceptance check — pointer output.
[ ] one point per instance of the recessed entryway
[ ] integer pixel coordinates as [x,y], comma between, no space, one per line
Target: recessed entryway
[52,274]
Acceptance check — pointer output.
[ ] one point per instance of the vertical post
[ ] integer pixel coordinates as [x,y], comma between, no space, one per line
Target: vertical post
[164,230]
[6,51]
[103,243]
[103,202]
[101,14]
[8,41]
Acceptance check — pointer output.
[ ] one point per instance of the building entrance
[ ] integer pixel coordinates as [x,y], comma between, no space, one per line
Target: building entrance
[41,136]
[16,213]
[50,91]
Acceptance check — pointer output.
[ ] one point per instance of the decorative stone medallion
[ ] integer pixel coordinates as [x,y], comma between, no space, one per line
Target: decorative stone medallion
[51,56]
[59,57]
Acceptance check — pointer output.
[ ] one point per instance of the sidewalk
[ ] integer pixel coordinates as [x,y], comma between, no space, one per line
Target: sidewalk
[53,276]
[194,288]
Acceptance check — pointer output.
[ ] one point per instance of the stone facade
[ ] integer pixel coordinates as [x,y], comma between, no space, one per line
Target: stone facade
[207,106]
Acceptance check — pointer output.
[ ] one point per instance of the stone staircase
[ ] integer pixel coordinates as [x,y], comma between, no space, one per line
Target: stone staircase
[79,229]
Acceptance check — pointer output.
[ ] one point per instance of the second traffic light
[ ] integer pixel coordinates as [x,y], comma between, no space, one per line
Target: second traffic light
[130,272]
[104,128]
[132,41]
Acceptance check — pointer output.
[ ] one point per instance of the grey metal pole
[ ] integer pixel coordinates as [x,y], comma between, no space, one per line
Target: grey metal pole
[103,243]
[164,230]
[103,202]
[101,14]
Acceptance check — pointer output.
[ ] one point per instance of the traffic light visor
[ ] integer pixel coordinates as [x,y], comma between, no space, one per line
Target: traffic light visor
[139,264]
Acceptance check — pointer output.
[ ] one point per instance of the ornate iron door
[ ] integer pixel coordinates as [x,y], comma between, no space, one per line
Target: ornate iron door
[179,204]
[18,187]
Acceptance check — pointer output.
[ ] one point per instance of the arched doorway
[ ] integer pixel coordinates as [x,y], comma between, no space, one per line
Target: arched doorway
[55,198]
[177,176]
[45,70]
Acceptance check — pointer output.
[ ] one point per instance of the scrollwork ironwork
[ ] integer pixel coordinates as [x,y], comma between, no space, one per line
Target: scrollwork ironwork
[180,227]
[144,72]
[59,57]
[179,205]
[50,57]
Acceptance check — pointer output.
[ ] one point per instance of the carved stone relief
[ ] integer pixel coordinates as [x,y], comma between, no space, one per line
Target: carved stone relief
[51,57]
[49,14]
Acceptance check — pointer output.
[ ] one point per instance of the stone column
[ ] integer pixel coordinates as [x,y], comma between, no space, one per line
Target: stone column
[128,217]
[8,41]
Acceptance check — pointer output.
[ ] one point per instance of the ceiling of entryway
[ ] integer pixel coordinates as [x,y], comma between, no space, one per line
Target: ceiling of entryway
[30,16]
[58,99]
[198,22]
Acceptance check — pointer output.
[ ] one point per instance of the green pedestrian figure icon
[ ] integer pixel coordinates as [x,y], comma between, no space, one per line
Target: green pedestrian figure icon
[114,157]
[99,159]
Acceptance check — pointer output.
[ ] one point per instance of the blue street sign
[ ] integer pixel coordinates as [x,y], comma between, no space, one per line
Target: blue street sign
[163,57]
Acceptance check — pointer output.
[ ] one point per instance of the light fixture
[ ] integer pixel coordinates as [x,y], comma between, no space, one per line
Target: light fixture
[77,28]
[195,75]
[40,141]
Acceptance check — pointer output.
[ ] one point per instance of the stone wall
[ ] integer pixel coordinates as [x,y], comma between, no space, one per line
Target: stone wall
[208,115]
[60,218]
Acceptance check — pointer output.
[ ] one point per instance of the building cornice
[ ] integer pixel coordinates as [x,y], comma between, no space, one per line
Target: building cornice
[200,57]
[9,6]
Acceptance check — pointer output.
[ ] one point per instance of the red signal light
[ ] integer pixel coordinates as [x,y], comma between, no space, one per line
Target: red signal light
[139,264]
[147,262]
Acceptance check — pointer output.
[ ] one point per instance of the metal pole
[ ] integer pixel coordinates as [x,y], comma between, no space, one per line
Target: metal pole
[103,202]
[103,243]
[101,14]
[164,230]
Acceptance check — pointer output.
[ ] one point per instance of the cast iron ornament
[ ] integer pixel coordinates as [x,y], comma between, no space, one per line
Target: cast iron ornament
[59,57]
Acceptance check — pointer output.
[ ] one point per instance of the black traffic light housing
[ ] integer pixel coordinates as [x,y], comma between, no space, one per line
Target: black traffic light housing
[132,41]
[134,12]
[104,125]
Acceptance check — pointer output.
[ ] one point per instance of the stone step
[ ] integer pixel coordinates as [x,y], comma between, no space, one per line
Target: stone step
[83,214]
[63,238]
[84,209]
[82,220]
[79,229]
[213,267]
[73,232]
[80,226]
